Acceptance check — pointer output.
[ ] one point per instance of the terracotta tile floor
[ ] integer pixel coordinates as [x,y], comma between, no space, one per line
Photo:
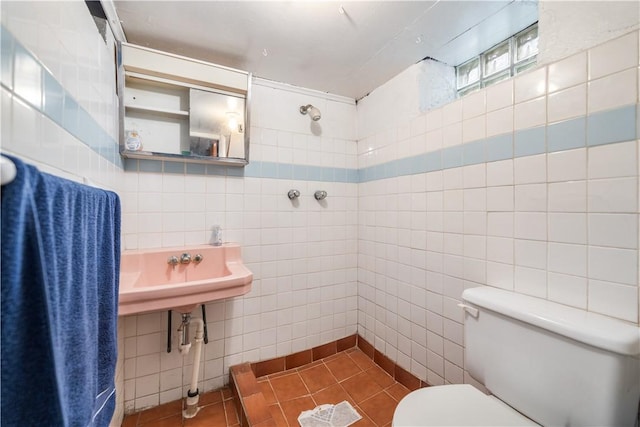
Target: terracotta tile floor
[217,409]
[349,375]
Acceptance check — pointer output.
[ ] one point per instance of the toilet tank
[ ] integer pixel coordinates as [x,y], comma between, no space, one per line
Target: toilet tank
[558,365]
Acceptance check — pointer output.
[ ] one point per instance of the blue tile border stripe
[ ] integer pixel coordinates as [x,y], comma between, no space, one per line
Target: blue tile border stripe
[56,103]
[606,127]
[529,142]
[567,135]
[612,126]
[474,152]
[499,147]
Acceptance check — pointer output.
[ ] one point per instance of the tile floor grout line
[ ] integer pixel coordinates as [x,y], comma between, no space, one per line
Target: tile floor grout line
[361,370]
[349,377]
[304,384]
[226,415]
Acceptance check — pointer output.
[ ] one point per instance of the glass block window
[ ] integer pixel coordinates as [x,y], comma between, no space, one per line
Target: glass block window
[502,61]
[496,59]
[527,43]
[468,73]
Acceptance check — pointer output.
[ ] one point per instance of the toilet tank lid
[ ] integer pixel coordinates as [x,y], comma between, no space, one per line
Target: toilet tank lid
[589,328]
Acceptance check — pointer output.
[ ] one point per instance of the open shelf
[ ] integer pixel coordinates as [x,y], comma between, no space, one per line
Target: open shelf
[159,111]
[191,158]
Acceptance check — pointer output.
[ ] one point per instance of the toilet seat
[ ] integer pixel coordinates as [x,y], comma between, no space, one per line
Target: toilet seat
[455,405]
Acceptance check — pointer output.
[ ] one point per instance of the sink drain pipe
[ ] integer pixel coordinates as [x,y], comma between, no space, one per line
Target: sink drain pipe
[193,395]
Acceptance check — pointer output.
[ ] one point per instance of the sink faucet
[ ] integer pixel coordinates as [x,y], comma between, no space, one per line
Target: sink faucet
[185,258]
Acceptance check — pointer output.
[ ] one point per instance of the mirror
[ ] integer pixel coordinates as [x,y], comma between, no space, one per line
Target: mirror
[216,125]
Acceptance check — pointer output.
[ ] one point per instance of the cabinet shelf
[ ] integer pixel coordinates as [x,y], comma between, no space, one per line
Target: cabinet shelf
[145,155]
[178,114]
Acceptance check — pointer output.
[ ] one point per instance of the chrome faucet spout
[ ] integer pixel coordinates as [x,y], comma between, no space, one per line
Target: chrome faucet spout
[185,258]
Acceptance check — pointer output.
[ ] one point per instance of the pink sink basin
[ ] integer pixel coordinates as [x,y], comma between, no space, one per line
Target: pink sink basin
[149,283]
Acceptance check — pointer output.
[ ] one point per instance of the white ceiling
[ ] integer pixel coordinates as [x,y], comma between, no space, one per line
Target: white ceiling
[312,44]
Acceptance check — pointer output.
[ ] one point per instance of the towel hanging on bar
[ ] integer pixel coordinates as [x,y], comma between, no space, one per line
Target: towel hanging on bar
[59,301]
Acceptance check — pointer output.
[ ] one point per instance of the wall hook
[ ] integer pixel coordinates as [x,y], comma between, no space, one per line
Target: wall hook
[320,195]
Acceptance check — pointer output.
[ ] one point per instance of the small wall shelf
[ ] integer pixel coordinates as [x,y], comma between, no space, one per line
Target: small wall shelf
[159,111]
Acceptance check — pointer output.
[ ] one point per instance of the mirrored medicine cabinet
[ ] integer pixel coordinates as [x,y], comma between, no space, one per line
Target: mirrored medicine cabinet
[182,109]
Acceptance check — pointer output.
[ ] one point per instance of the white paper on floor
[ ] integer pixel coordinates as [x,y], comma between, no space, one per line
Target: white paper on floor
[340,415]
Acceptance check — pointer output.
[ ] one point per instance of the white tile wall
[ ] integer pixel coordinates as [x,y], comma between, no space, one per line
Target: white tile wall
[561,225]
[568,72]
[609,161]
[530,85]
[530,113]
[613,90]
[500,121]
[569,165]
[618,54]
[500,95]
[530,170]
[567,104]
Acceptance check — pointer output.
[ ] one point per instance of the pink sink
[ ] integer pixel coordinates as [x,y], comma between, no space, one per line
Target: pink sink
[149,283]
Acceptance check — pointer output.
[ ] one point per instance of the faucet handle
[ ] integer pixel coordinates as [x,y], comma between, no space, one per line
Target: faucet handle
[320,195]
[293,194]
[197,258]
[185,258]
[172,260]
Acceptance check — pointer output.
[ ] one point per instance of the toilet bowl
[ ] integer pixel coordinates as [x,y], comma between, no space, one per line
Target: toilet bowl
[541,361]
[455,405]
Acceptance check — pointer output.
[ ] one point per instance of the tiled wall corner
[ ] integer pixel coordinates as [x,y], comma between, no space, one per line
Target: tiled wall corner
[530,185]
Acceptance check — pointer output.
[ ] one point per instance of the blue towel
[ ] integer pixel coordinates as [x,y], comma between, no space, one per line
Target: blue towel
[60,270]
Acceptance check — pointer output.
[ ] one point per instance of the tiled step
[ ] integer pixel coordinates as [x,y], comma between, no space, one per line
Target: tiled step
[344,361]
[250,403]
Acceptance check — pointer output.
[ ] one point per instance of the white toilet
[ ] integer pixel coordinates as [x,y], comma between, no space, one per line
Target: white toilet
[545,363]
